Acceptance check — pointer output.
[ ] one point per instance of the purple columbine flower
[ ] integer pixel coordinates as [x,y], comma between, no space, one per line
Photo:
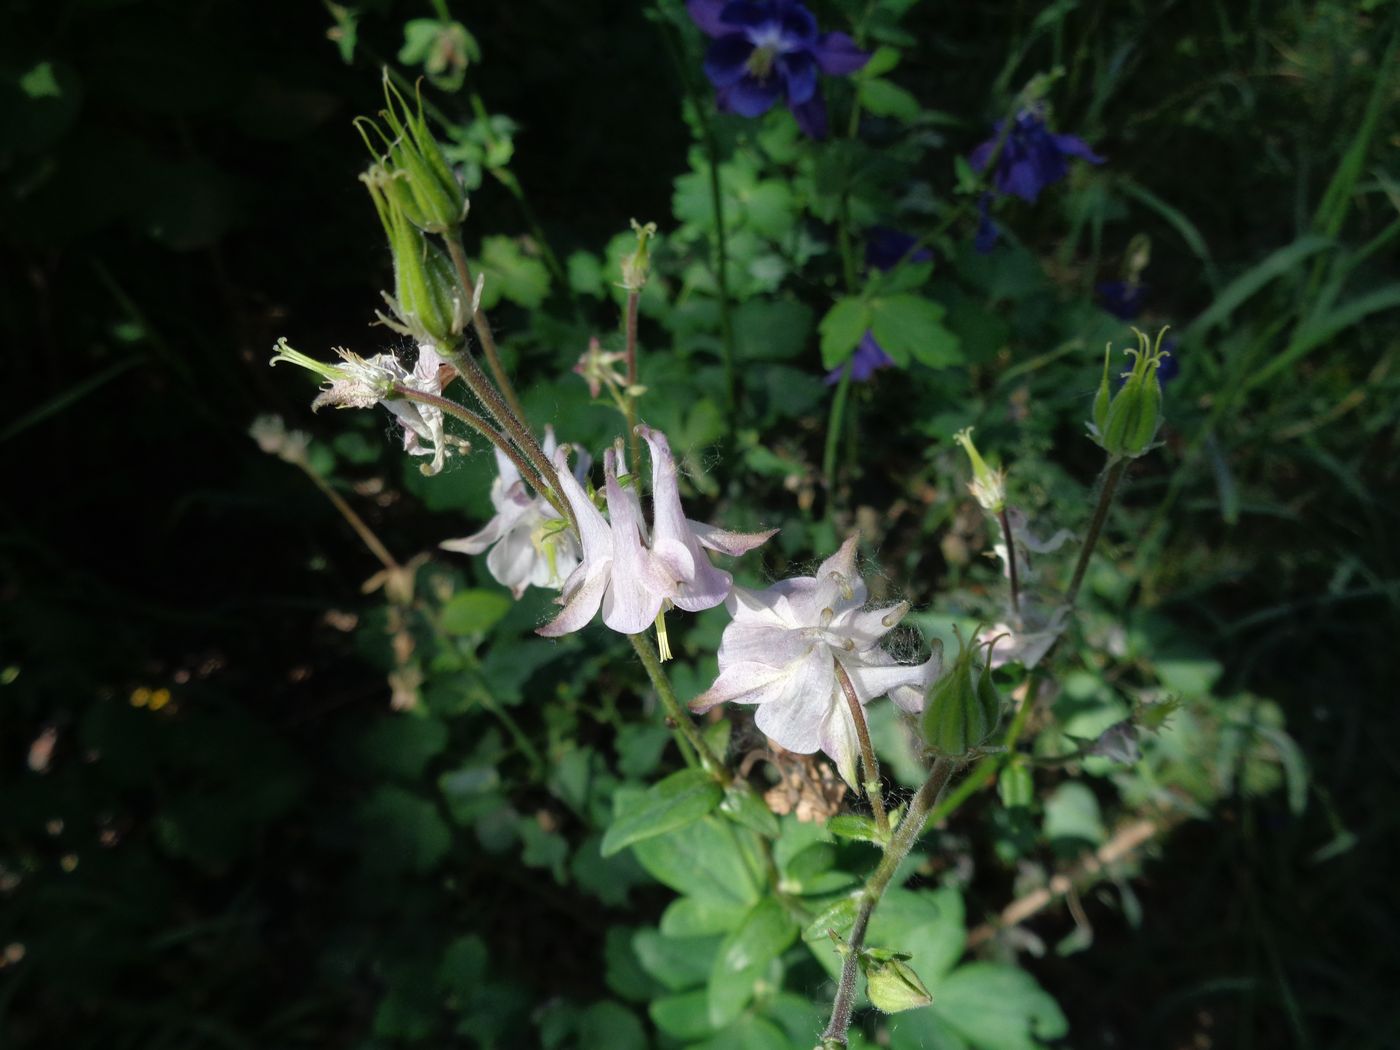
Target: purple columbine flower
[884,249]
[1031,158]
[1123,299]
[771,50]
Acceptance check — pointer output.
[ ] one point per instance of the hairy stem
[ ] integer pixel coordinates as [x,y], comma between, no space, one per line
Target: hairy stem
[874,791]
[1091,538]
[908,832]
[628,398]
[676,710]
[482,325]
[483,427]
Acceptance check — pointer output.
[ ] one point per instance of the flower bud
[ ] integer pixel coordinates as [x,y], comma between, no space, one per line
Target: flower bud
[1129,423]
[963,709]
[891,983]
[988,487]
[428,300]
[411,168]
[636,268]
[1015,785]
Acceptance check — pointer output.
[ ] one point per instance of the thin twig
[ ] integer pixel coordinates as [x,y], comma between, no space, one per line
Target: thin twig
[357,523]
[483,326]
[629,407]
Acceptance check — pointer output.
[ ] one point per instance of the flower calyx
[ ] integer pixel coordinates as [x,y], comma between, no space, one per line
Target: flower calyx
[963,709]
[1125,424]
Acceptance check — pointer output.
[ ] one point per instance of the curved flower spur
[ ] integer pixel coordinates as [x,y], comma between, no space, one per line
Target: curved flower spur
[632,573]
[530,544]
[788,647]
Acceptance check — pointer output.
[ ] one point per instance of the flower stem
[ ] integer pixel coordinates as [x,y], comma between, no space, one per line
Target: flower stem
[676,710]
[1011,561]
[483,426]
[629,406]
[869,763]
[482,325]
[908,832]
[1091,538]
[347,512]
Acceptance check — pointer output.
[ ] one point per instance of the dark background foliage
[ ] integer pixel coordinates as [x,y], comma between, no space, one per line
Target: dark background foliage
[186,194]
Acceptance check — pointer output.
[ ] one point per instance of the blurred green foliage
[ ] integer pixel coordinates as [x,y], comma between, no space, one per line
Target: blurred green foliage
[218,833]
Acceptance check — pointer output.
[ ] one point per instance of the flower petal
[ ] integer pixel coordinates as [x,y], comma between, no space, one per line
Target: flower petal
[752,97]
[838,56]
[707,15]
[726,542]
[762,644]
[811,116]
[579,607]
[632,602]
[839,740]
[1074,146]
[727,60]
[799,73]
[906,684]
[742,684]
[697,584]
[794,720]
[594,533]
[477,541]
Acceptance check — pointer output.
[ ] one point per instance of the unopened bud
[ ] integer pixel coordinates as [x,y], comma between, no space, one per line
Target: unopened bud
[891,982]
[428,302]
[963,708]
[636,268]
[988,487]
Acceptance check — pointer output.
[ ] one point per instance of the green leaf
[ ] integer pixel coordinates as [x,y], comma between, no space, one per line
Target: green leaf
[680,799]
[684,1016]
[771,330]
[770,209]
[744,957]
[743,806]
[748,1033]
[585,274]
[677,962]
[510,274]
[1072,820]
[403,744]
[473,611]
[405,828]
[841,329]
[693,917]
[887,99]
[909,326]
[856,828]
[996,1007]
[881,62]
[705,860]
[1252,280]
[610,1026]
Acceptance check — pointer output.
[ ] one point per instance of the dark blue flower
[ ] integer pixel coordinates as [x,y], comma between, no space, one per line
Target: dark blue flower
[865,362]
[987,234]
[885,248]
[1170,366]
[771,50]
[1031,158]
[1123,299]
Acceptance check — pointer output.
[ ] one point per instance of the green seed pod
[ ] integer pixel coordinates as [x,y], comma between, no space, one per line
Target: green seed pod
[962,710]
[411,166]
[891,983]
[428,301]
[1134,416]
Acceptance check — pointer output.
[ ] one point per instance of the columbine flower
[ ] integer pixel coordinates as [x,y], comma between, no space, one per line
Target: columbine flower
[1031,157]
[1123,299]
[771,50]
[780,652]
[360,382]
[529,543]
[885,248]
[631,574]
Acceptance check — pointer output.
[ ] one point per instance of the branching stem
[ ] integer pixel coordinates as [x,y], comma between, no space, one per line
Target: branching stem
[1091,538]
[676,710]
[908,832]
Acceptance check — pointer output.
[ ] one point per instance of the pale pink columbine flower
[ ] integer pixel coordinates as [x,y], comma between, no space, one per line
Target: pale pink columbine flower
[1029,632]
[634,573]
[781,650]
[530,545]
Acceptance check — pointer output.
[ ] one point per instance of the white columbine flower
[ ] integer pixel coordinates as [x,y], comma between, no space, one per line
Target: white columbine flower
[632,573]
[780,651]
[530,544]
[360,382]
